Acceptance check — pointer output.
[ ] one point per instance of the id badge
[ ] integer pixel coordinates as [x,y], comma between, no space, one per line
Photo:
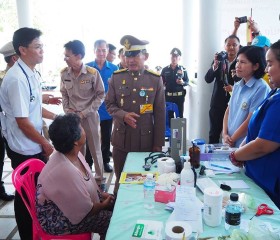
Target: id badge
[146,108]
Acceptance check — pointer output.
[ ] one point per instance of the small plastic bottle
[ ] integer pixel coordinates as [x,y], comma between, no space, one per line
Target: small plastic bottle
[149,191]
[233,212]
[187,175]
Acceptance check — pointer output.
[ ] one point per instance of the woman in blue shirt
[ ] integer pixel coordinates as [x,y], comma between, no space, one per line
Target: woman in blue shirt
[247,94]
[261,153]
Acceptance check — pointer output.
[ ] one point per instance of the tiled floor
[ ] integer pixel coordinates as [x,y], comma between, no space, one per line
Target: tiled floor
[8,228]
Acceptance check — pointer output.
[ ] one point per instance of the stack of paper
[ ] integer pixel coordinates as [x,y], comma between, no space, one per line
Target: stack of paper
[221,166]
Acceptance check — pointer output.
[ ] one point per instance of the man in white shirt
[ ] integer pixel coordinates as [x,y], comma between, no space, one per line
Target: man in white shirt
[22,112]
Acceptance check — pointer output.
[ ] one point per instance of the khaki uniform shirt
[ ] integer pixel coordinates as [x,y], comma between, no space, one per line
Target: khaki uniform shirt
[84,93]
[127,93]
[2,75]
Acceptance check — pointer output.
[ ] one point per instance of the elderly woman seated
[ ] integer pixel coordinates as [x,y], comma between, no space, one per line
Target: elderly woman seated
[68,200]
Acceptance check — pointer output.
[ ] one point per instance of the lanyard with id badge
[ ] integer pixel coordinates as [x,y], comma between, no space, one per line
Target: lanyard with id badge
[147,107]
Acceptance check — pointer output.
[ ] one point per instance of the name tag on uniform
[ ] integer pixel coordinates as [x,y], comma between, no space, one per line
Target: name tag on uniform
[146,108]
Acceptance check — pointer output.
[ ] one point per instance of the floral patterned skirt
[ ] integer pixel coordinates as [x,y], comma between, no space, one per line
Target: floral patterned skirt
[54,222]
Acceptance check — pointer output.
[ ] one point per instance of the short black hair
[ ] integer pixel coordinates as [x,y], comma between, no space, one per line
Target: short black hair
[24,36]
[111,47]
[275,48]
[232,37]
[99,42]
[65,131]
[8,58]
[76,46]
[256,55]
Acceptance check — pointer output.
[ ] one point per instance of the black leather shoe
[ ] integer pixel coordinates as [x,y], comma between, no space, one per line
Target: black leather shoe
[107,167]
[6,197]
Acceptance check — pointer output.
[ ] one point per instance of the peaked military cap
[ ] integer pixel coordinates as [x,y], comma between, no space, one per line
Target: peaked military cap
[132,45]
[8,49]
[176,51]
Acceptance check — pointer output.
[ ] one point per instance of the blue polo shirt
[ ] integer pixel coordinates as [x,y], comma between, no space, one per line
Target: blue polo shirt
[245,99]
[264,123]
[106,73]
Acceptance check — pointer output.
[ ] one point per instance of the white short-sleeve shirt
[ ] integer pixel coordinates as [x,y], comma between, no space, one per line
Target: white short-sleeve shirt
[15,100]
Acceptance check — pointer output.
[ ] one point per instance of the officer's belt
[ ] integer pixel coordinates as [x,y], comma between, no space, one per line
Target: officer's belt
[174,94]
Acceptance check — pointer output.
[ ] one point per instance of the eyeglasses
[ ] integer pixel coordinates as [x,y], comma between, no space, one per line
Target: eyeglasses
[37,47]
[232,45]
[66,58]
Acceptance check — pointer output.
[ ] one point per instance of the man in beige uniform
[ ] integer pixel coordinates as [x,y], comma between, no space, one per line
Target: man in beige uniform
[10,57]
[136,102]
[83,92]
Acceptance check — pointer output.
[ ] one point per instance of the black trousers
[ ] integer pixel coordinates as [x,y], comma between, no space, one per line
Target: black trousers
[2,157]
[23,219]
[216,116]
[106,130]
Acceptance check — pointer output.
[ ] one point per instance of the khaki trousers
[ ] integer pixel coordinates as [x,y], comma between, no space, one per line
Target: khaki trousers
[91,125]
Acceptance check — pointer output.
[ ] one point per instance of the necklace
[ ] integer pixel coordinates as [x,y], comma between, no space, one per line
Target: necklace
[78,164]
[86,177]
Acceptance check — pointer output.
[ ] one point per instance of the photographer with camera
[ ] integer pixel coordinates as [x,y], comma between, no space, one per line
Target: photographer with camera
[174,78]
[221,72]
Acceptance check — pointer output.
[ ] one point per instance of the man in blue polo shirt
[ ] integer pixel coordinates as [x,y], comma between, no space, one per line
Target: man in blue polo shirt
[106,70]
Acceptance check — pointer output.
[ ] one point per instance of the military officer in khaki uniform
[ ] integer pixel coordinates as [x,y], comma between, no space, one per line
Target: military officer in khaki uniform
[136,102]
[10,57]
[83,92]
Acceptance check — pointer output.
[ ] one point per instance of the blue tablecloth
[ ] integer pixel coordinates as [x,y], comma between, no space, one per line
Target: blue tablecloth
[129,205]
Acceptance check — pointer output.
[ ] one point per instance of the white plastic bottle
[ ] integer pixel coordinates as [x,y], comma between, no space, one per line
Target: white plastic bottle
[233,212]
[149,191]
[187,175]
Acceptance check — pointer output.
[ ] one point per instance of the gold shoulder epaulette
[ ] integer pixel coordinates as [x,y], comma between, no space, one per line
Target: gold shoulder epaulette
[91,69]
[2,74]
[63,70]
[120,71]
[152,72]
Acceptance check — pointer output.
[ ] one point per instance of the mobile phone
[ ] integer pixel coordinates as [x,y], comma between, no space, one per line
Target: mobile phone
[243,19]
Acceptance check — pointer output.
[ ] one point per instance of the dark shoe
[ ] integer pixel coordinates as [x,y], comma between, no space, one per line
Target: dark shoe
[110,154]
[6,197]
[107,167]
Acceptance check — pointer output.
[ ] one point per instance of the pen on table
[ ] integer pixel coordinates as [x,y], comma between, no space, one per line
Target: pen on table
[218,166]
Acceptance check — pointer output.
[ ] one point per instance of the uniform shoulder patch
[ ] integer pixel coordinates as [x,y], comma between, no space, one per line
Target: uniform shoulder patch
[120,71]
[91,69]
[63,70]
[2,74]
[152,72]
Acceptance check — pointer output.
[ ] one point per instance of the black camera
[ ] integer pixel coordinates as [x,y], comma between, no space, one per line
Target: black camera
[179,75]
[222,56]
[243,19]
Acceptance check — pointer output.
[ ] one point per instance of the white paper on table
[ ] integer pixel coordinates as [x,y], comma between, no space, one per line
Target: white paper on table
[184,204]
[221,166]
[234,183]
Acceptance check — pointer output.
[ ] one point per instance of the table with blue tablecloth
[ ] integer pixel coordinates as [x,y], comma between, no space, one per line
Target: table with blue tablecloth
[129,204]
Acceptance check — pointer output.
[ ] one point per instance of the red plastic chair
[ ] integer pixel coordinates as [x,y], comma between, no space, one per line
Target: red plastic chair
[24,178]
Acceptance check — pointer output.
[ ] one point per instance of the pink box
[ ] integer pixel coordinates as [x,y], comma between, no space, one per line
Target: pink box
[164,196]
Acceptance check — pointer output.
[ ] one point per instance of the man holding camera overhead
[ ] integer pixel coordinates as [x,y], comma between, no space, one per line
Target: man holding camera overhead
[174,78]
[222,72]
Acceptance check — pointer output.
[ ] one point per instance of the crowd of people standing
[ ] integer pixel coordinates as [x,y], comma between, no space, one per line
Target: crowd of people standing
[124,106]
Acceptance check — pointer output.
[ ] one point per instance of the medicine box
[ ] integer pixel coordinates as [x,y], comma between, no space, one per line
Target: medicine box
[147,230]
[163,195]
